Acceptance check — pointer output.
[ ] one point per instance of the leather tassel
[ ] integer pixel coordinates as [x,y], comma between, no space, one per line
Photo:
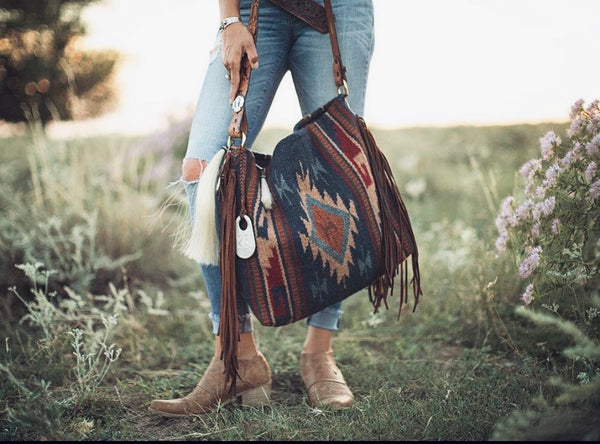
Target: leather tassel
[203,245]
[229,325]
[391,207]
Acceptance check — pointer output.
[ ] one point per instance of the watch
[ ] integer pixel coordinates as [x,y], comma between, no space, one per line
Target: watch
[228,21]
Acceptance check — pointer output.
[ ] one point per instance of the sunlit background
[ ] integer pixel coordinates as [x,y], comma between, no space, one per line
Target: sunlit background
[436,62]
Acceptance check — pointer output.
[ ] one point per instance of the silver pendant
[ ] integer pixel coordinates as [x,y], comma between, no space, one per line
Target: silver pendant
[238,104]
[245,244]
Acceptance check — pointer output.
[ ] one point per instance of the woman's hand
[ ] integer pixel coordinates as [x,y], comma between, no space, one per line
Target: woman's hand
[237,41]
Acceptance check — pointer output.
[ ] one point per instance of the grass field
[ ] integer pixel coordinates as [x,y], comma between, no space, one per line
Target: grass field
[97,211]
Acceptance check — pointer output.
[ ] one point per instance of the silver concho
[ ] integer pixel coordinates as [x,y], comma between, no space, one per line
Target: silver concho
[245,244]
[238,103]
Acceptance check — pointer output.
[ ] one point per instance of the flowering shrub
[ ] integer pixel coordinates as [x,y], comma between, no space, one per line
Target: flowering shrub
[554,233]
[555,229]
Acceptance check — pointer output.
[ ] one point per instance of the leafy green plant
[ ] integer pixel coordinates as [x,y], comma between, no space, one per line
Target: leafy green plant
[86,324]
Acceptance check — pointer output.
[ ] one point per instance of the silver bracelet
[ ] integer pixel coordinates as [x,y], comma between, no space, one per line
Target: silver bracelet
[228,21]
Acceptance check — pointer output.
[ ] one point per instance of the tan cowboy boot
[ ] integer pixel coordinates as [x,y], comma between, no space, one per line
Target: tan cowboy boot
[324,381]
[253,387]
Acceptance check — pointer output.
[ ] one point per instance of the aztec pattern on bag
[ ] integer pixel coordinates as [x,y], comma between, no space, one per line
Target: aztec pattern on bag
[321,241]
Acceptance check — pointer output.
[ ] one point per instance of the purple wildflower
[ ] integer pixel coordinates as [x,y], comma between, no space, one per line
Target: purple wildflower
[527,296]
[535,230]
[569,159]
[505,218]
[593,106]
[551,175]
[530,167]
[540,191]
[548,206]
[536,211]
[593,146]
[530,263]
[523,211]
[577,126]
[501,241]
[576,109]
[590,172]
[547,142]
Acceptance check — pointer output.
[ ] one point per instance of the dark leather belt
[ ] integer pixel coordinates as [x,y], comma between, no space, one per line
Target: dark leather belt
[306,10]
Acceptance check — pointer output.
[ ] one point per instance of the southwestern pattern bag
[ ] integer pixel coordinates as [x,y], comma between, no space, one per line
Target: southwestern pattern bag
[321,238]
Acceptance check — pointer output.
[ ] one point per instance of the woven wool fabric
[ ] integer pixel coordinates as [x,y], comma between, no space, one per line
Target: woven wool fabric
[321,241]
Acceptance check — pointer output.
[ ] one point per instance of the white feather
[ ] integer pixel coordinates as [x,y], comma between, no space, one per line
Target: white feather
[203,245]
[265,194]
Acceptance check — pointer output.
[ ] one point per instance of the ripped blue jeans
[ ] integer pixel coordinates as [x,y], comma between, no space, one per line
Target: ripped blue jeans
[284,43]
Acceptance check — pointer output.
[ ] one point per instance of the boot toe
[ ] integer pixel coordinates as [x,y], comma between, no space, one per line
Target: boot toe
[325,383]
[167,407]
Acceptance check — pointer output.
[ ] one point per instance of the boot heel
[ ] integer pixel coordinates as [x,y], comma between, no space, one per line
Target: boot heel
[256,397]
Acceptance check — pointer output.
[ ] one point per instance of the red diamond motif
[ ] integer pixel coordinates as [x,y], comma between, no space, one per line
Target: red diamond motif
[329,228]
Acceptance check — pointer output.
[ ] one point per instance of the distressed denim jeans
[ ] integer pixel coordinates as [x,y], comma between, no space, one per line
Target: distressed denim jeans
[283,43]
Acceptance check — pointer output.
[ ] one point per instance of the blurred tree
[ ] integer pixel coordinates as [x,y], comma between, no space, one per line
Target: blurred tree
[42,73]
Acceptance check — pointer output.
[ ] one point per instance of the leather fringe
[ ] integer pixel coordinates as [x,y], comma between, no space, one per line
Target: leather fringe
[229,325]
[391,207]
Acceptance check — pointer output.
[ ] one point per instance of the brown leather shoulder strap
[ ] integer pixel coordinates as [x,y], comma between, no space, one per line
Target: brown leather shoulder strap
[339,70]
[238,125]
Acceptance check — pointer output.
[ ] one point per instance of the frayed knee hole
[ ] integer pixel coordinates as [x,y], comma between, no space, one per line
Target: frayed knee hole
[192,169]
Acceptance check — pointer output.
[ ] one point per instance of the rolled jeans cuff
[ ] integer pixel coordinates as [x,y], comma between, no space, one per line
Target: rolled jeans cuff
[245,321]
[328,318]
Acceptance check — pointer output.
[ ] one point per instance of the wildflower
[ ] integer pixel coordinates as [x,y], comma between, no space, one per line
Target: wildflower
[522,212]
[593,106]
[547,142]
[530,263]
[527,296]
[501,241]
[593,146]
[576,109]
[530,167]
[551,175]
[505,218]
[548,206]
[595,190]
[529,188]
[577,150]
[590,172]
[540,191]
[576,126]
[507,205]
[555,225]
[569,159]
[535,230]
